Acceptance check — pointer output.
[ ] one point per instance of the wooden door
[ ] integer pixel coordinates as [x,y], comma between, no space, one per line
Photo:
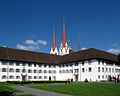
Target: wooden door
[23,78]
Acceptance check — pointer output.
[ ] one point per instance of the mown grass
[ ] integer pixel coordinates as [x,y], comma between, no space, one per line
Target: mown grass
[84,89]
[8,89]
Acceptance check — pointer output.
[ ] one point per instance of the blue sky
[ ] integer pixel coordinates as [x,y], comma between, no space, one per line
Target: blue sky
[28,24]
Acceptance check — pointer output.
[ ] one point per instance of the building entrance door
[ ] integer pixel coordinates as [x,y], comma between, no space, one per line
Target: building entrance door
[50,78]
[76,77]
[23,77]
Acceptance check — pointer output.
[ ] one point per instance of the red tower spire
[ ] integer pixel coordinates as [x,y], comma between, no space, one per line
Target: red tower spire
[54,42]
[79,45]
[64,36]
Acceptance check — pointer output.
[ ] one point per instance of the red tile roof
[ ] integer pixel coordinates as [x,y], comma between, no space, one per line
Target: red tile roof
[37,57]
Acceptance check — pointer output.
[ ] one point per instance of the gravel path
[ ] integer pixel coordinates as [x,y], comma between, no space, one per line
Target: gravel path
[35,92]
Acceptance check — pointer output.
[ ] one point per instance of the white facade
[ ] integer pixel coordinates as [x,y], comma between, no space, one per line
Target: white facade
[64,50]
[92,70]
[54,52]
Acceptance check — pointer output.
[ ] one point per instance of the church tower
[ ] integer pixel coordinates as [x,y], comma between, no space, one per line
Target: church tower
[54,48]
[64,48]
[79,45]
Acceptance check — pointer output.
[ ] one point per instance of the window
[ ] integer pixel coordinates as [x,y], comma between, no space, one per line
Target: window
[102,69]
[106,69]
[89,62]
[4,69]
[102,76]
[83,69]
[60,71]
[66,65]
[113,70]
[17,77]
[40,65]
[83,63]
[40,71]
[35,71]
[45,65]
[89,70]
[49,71]
[11,70]
[45,71]
[40,77]
[4,77]
[71,64]
[29,65]
[98,69]
[23,64]
[60,66]
[35,65]
[45,77]
[23,70]
[76,70]
[11,63]
[98,62]
[109,69]
[49,66]
[17,64]
[11,77]
[54,66]
[17,70]
[54,71]
[98,76]
[63,71]
[29,77]
[35,77]
[67,71]
[76,63]
[71,70]
[29,71]
[4,62]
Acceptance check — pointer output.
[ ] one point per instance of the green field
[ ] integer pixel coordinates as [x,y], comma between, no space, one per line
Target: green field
[84,89]
[8,89]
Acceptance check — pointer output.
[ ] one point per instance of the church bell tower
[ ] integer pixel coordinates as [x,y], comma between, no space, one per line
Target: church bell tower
[64,48]
[54,48]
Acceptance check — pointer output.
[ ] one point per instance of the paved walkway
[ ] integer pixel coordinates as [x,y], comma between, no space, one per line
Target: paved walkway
[35,92]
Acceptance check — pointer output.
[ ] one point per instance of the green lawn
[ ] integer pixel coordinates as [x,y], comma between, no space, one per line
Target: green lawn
[8,89]
[84,89]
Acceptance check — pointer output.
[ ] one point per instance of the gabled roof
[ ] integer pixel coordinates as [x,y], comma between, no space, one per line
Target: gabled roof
[37,57]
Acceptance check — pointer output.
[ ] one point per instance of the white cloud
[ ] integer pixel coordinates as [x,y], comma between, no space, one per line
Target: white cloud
[43,42]
[31,42]
[19,46]
[114,50]
[84,48]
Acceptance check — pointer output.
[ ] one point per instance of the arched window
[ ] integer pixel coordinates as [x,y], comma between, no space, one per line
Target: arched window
[35,71]
[35,77]
[17,70]
[4,77]
[11,77]
[11,70]
[29,77]
[40,71]
[23,70]
[17,77]
[29,71]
